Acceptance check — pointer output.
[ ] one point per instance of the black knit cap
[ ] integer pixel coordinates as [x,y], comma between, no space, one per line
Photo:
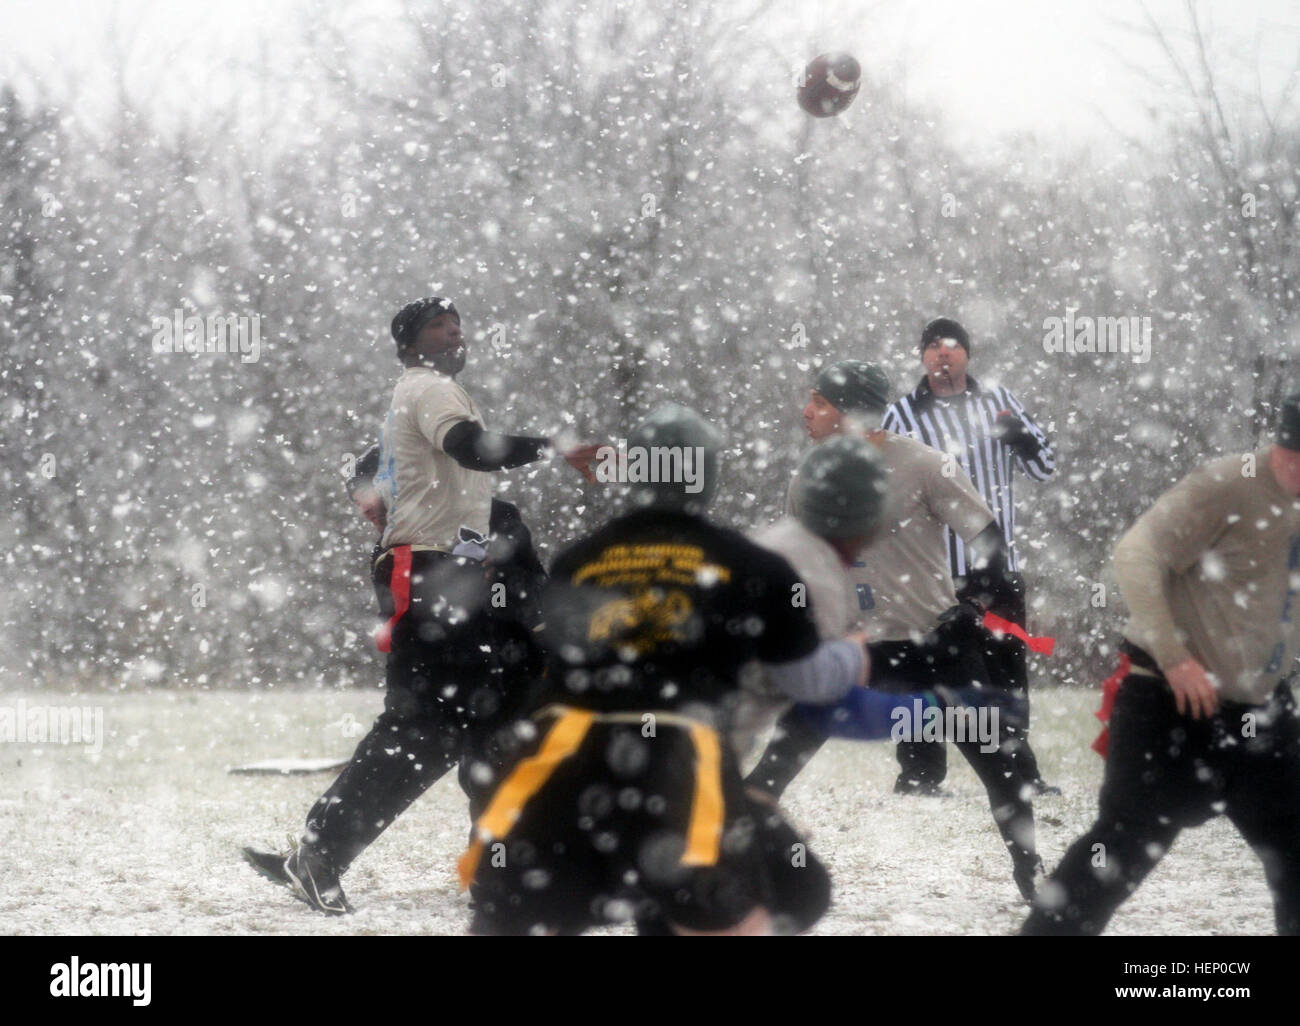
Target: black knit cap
[945,327]
[852,385]
[414,316]
[672,425]
[1288,423]
[840,488]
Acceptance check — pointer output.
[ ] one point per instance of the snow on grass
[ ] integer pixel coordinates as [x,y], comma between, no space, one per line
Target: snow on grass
[144,838]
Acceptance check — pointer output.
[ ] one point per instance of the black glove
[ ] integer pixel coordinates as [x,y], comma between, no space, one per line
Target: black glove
[958,627]
[1010,430]
[965,615]
[988,568]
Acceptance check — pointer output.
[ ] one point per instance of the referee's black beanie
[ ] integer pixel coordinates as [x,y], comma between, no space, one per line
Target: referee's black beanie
[945,327]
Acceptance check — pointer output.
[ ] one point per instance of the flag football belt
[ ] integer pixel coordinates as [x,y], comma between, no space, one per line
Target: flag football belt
[562,740]
[1109,689]
[409,548]
[996,624]
[399,586]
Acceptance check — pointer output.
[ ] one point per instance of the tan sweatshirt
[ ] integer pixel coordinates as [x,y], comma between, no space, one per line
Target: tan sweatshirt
[1212,571]
[903,578]
[428,494]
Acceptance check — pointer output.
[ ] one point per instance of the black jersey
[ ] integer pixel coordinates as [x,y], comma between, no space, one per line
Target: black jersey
[660,609]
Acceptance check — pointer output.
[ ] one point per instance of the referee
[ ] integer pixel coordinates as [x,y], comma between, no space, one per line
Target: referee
[989,434]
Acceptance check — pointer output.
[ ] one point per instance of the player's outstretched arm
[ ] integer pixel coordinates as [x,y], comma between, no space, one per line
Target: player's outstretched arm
[477,449]
[863,714]
[826,674]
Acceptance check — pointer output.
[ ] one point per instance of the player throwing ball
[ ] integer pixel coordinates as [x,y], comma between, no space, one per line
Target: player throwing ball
[447,652]
[1203,720]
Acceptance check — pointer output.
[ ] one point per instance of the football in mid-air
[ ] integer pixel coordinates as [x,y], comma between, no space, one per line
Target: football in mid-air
[829,83]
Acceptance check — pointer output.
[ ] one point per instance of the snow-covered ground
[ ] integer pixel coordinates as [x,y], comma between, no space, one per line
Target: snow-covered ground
[143,838]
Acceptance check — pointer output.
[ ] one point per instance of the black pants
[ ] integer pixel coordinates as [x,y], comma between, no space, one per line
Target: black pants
[926,765]
[947,656]
[448,689]
[1166,772]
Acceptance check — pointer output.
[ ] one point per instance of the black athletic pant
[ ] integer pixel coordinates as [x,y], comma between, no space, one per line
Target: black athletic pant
[948,656]
[445,691]
[1166,772]
[924,766]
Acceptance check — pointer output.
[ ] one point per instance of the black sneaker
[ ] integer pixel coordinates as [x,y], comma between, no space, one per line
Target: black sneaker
[1028,874]
[921,787]
[269,864]
[309,877]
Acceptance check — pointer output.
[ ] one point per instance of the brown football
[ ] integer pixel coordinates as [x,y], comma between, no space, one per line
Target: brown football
[829,84]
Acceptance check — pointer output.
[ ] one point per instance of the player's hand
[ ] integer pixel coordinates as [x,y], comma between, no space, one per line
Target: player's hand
[580,457]
[966,614]
[1194,694]
[372,508]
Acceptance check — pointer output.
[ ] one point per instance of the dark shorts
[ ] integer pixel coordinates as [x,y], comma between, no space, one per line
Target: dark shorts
[603,841]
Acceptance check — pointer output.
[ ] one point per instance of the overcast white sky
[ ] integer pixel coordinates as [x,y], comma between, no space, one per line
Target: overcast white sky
[1057,68]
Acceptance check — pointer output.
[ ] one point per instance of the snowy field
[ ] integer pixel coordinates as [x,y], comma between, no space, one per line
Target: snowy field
[144,837]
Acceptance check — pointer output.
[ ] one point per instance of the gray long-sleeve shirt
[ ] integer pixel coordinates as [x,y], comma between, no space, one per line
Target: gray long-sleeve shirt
[831,599]
[1212,571]
[902,578]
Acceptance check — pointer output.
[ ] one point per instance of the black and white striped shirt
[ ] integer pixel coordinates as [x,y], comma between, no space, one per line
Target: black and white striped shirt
[962,425]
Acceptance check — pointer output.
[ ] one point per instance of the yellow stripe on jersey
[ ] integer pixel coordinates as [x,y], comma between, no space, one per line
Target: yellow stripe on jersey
[704,836]
[524,781]
[708,809]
